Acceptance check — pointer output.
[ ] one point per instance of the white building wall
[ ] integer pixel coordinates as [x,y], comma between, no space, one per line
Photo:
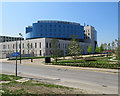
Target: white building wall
[10,47]
[89,32]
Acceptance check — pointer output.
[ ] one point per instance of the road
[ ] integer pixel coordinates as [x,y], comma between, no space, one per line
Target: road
[101,82]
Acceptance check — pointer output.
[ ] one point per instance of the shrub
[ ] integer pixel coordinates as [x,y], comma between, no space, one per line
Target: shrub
[90,59]
[91,64]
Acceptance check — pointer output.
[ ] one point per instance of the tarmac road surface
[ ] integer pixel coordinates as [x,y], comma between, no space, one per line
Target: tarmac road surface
[105,83]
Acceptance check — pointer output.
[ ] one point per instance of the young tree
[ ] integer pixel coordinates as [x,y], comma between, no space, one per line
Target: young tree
[55,51]
[97,49]
[90,49]
[113,45]
[117,49]
[74,49]
[105,46]
[101,48]
[109,47]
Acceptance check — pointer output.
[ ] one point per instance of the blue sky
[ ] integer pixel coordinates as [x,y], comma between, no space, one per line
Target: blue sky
[102,15]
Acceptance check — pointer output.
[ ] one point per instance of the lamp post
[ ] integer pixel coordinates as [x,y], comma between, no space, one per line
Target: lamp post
[16,59]
[20,47]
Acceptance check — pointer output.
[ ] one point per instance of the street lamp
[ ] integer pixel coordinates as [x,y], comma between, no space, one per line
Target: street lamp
[20,47]
[16,58]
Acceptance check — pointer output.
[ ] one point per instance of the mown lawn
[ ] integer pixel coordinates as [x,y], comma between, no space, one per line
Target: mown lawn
[93,61]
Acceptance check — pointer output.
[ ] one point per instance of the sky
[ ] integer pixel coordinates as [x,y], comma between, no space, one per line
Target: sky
[102,15]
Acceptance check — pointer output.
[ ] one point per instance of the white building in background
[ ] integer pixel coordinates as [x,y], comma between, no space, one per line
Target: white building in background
[9,38]
[38,47]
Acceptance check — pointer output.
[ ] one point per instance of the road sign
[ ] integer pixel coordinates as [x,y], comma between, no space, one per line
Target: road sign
[16,54]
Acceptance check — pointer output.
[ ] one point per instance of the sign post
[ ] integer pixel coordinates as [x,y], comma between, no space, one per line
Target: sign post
[15,55]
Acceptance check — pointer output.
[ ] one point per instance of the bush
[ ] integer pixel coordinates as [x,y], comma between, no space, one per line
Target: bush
[79,57]
[102,55]
[90,59]
[70,61]
[90,64]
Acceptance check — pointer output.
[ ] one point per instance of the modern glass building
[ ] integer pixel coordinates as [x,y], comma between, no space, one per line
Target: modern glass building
[55,29]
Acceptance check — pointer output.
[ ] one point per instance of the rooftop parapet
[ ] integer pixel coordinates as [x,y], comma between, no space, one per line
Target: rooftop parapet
[52,21]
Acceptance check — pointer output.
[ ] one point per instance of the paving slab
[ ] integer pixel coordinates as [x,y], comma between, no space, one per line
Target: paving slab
[4,82]
[23,80]
[1,91]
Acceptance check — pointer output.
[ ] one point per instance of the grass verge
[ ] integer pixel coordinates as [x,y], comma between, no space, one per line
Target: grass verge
[22,58]
[33,88]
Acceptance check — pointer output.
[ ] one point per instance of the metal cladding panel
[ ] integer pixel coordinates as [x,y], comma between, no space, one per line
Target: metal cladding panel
[28,29]
[57,30]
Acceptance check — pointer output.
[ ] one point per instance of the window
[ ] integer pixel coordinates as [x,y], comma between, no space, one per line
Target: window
[19,45]
[41,30]
[13,46]
[59,45]
[40,44]
[31,45]
[23,45]
[50,29]
[35,45]
[55,25]
[59,30]
[47,45]
[88,33]
[40,53]
[75,27]
[23,51]
[41,25]
[46,52]
[45,25]
[3,46]
[8,46]
[50,25]
[50,45]
[45,29]
[40,34]
[65,46]
[59,25]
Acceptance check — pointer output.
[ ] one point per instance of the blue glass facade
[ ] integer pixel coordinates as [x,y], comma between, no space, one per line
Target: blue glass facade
[57,29]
